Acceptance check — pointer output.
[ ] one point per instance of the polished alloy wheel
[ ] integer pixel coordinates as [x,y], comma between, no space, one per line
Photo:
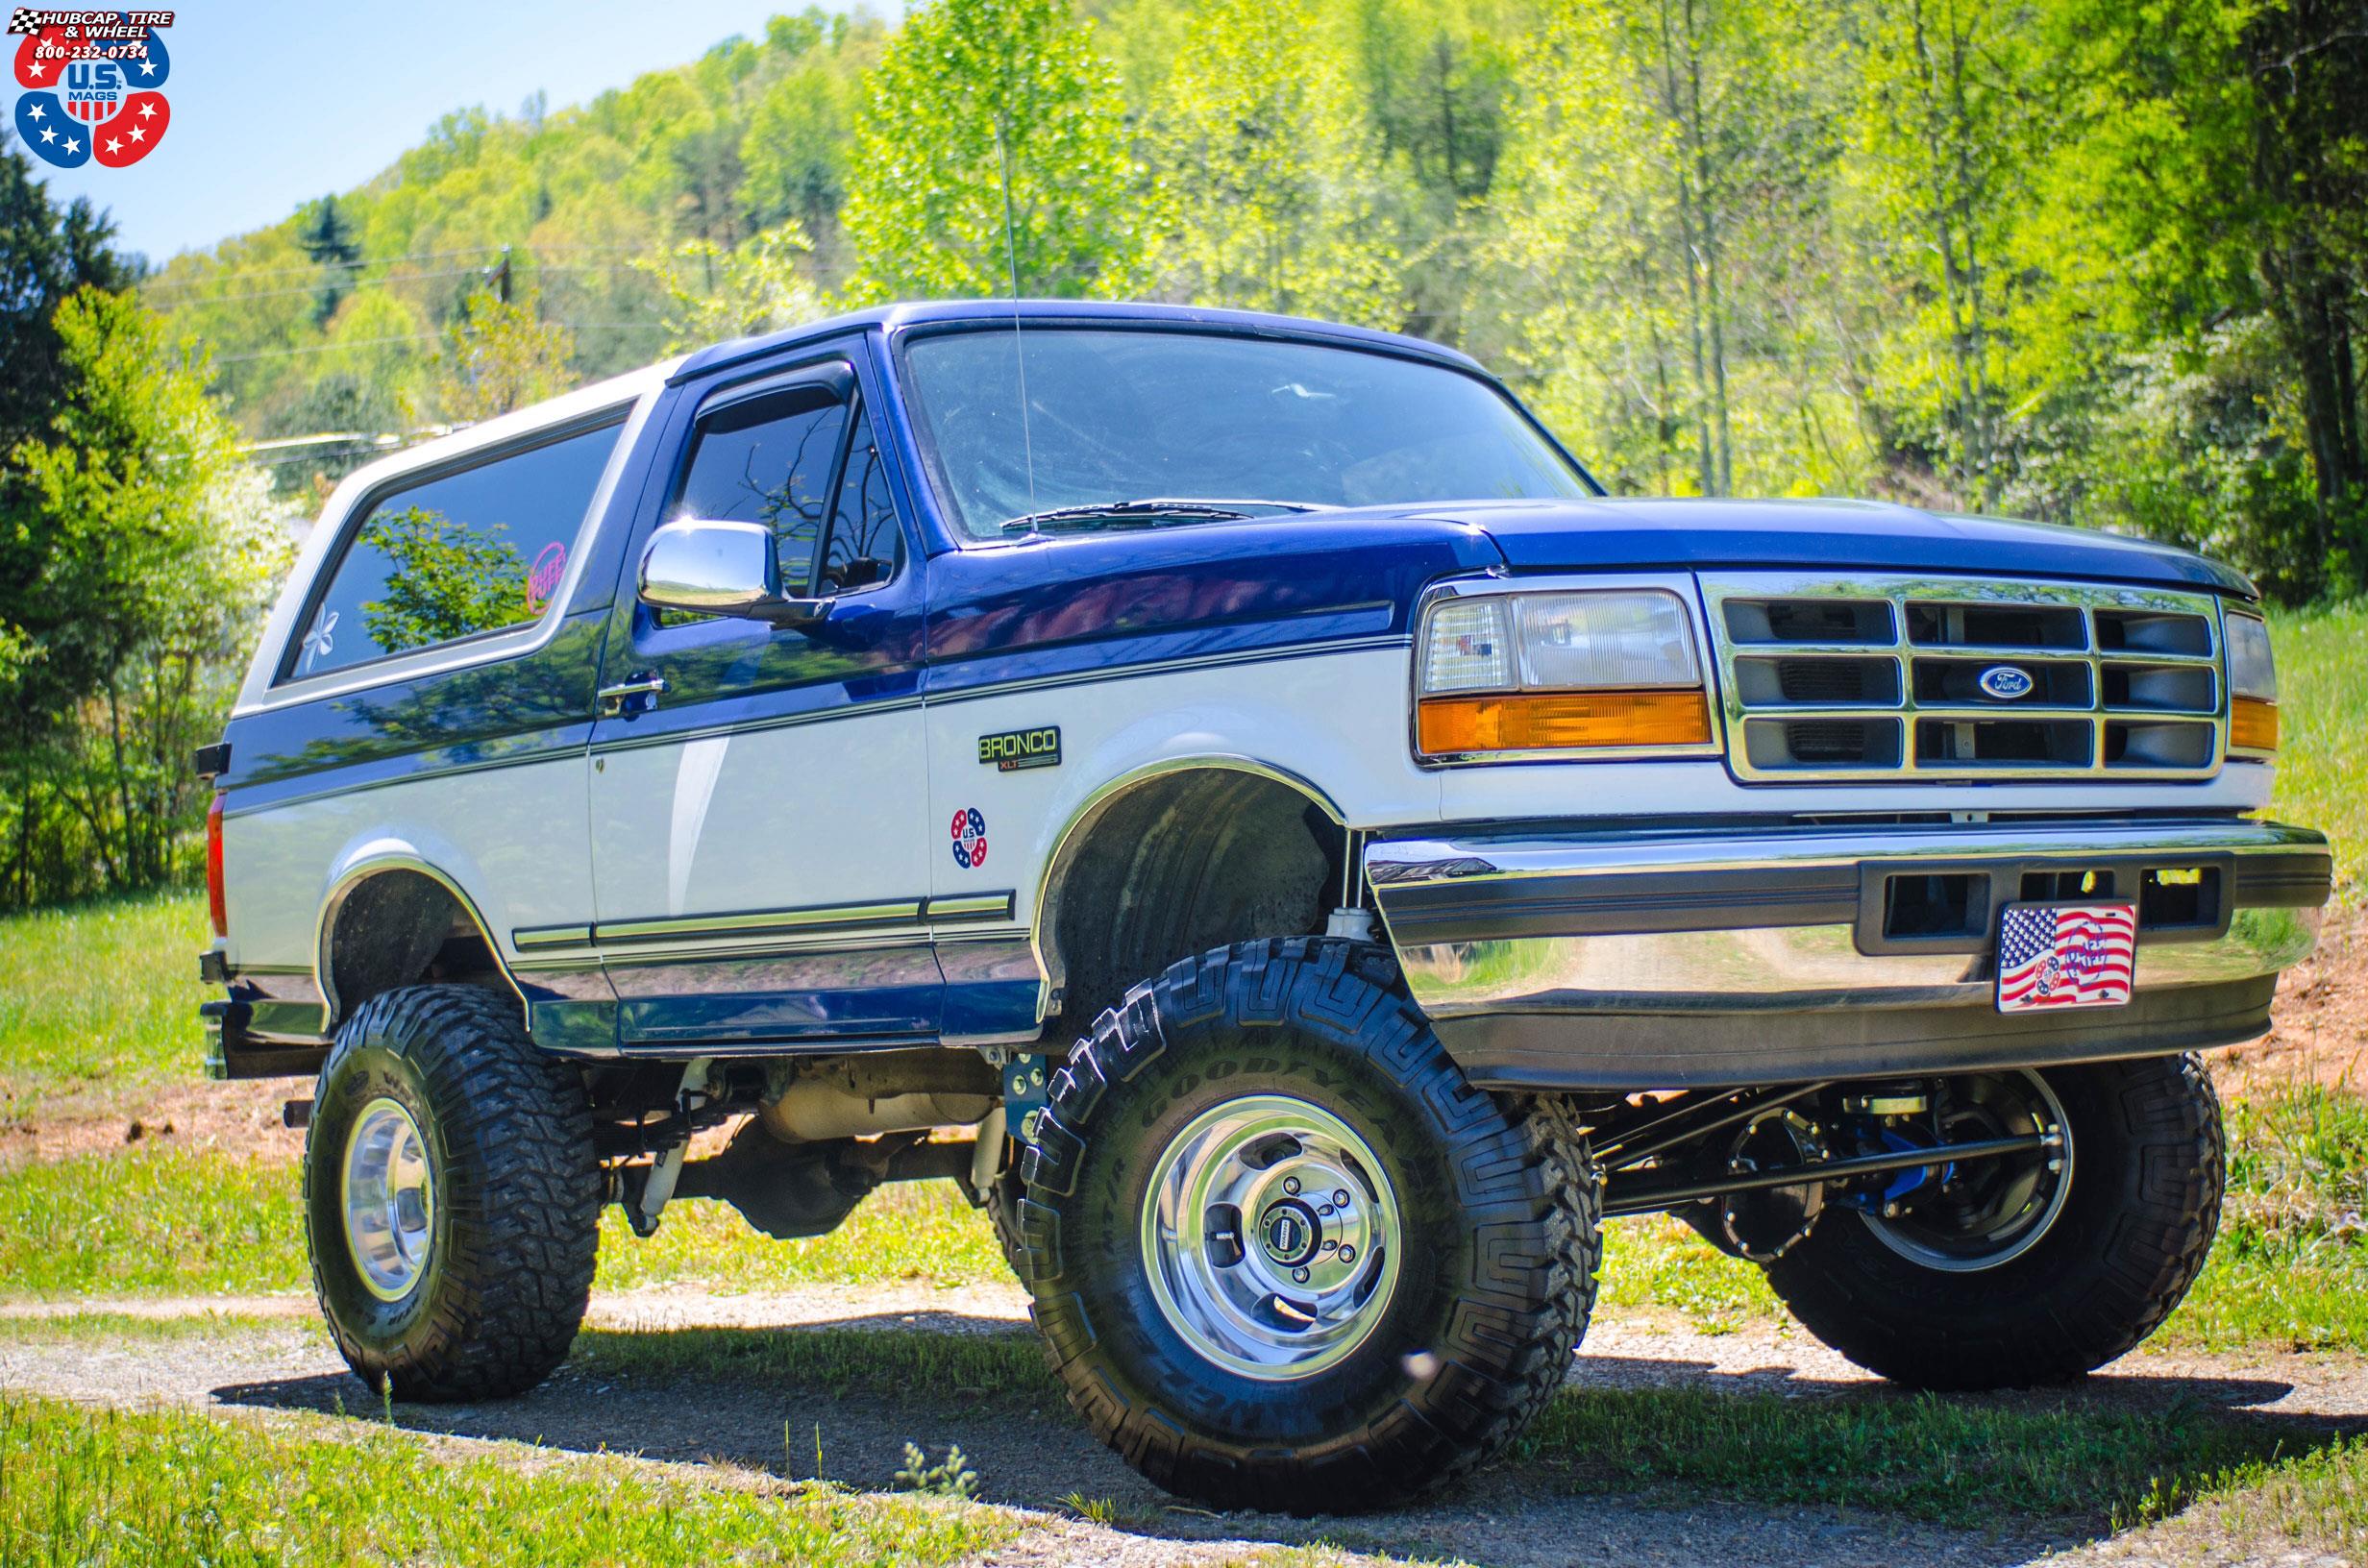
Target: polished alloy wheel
[1990,1211]
[1271,1237]
[388,1198]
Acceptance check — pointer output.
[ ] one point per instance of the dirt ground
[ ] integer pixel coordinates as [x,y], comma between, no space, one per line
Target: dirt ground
[1513,1515]
[2319,1025]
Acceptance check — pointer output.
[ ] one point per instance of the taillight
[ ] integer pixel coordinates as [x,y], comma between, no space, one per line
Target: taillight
[215,904]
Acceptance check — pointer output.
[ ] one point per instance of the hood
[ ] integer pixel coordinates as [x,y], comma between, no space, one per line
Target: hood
[1689,535]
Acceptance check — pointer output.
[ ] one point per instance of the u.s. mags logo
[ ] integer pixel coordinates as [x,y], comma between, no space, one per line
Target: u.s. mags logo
[93,84]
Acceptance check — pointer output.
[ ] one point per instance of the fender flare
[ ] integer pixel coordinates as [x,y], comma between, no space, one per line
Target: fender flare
[1098,801]
[377,859]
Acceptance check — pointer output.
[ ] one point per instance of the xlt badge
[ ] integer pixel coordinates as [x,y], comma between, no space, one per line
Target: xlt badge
[1016,749]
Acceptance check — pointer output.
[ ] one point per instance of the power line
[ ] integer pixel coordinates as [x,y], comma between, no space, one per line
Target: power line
[227,273]
[359,283]
[421,338]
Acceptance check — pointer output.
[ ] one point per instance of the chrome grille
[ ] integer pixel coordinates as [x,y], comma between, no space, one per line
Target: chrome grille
[1882,677]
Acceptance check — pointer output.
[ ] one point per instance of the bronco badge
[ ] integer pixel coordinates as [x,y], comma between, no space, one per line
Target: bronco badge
[1016,749]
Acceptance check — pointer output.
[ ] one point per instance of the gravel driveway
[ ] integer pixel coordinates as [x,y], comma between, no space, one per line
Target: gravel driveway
[1032,1458]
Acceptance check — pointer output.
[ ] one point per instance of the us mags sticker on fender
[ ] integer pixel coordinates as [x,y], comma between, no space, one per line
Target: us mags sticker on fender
[970,838]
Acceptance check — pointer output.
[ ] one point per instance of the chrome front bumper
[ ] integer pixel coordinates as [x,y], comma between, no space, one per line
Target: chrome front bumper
[1665,958]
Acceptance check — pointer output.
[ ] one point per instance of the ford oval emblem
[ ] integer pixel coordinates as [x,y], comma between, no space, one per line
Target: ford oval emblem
[2005,682]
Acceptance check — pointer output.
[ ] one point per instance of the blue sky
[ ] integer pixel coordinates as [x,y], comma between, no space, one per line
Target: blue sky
[275,102]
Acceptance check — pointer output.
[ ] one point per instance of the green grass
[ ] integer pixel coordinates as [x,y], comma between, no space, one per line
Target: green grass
[2317,1501]
[2323,713]
[916,1231]
[1942,1461]
[96,999]
[113,1487]
[1658,1264]
[152,1221]
[2291,1269]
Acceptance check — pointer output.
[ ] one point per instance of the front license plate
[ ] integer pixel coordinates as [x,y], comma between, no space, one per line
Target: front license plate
[2065,955]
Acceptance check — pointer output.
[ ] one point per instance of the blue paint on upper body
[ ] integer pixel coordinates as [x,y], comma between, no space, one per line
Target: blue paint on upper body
[973,615]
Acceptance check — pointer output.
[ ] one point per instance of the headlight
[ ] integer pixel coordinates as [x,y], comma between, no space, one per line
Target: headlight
[1595,669]
[2253,684]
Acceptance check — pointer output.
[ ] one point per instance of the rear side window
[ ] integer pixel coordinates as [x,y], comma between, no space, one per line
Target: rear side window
[455,556]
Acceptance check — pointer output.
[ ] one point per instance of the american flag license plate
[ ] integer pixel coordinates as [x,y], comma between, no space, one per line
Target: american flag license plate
[2065,955]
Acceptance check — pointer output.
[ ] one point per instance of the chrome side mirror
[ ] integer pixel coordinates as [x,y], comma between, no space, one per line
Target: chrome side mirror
[721,569]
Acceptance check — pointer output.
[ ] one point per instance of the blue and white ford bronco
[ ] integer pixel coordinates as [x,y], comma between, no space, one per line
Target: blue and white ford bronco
[1233,795]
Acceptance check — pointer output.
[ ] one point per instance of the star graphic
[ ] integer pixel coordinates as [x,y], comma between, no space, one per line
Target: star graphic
[72,146]
[147,67]
[147,111]
[115,144]
[34,113]
[139,135]
[47,135]
[36,69]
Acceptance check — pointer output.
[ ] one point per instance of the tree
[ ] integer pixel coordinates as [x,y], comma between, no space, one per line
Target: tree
[1655,209]
[1948,102]
[1274,184]
[761,287]
[2217,151]
[502,356]
[993,145]
[47,253]
[330,242]
[157,565]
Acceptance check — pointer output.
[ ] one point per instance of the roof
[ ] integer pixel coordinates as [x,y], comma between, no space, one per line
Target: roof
[897,318]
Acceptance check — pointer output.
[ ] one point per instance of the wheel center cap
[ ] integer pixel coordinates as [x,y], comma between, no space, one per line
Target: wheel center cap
[1290,1233]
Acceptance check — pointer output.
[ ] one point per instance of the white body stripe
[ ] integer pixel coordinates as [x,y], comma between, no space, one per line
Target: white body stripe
[512,838]
[783,818]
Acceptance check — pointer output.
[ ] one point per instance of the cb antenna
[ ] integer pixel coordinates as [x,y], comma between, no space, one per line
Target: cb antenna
[1019,347]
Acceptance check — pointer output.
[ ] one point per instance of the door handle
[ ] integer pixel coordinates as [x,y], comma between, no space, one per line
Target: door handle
[612,698]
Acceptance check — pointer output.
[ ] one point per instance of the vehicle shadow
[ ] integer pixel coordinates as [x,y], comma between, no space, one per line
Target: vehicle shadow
[1637,1458]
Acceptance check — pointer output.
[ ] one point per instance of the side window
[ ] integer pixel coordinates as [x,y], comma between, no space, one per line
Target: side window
[768,460]
[460,554]
[865,545]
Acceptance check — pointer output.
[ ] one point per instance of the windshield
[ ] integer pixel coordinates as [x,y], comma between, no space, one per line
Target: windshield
[1118,417]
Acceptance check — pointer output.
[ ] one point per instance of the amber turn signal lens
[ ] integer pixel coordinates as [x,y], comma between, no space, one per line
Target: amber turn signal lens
[1561,720]
[2253,724]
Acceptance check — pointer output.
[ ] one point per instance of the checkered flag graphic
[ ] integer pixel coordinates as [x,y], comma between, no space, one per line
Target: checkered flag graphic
[25,19]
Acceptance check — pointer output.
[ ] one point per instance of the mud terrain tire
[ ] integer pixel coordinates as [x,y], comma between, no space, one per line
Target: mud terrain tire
[2149,1166]
[1496,1272]
[505,1270]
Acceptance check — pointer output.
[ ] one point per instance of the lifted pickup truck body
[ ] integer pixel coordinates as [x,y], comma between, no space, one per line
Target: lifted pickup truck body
[719,730]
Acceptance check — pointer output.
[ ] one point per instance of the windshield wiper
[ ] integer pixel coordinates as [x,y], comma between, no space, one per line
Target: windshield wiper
[1099,513]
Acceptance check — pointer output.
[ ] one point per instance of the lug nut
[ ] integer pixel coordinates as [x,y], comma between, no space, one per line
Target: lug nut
[1348,1255]
[1325,1211]
[1330,1243]
[1300,1274]
[1340,1198]
[1291,1185]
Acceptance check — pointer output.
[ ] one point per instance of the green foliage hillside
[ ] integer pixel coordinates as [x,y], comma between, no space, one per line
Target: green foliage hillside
[2077,259]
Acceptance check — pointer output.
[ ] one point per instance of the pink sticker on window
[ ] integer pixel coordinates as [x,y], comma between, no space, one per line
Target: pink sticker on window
[543,576]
